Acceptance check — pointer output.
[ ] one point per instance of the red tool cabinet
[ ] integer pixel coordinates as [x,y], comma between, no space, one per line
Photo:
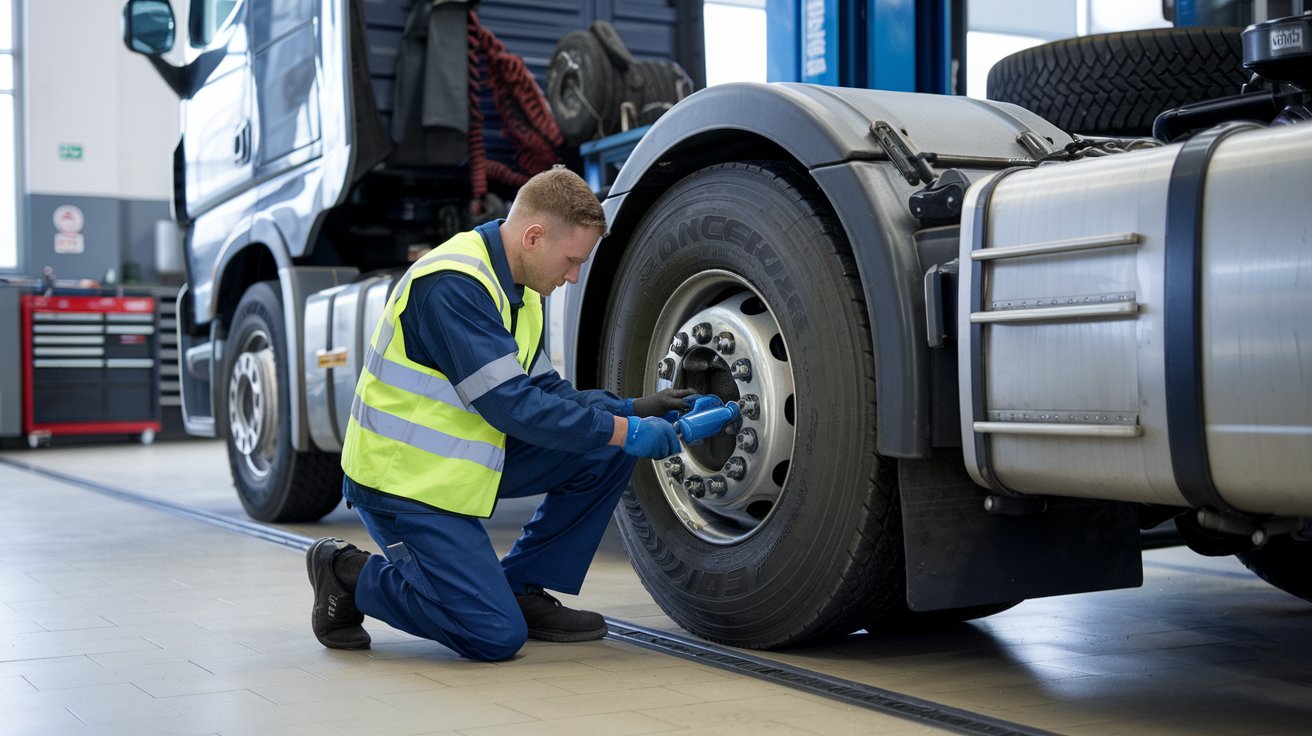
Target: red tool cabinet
[90,366]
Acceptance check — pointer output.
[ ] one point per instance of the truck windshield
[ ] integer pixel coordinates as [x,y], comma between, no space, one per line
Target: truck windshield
[210,15]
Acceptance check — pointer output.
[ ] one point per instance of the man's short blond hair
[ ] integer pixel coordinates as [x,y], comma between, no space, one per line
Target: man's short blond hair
[562,194]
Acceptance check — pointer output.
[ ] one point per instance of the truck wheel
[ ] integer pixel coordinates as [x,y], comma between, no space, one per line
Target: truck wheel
[1285,563]
[1115,84]
[274,482]
[739,282]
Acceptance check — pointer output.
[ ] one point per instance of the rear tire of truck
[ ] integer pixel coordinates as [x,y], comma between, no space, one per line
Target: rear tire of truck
[806,541]
[1285,563]
[1115,84]
[274,482]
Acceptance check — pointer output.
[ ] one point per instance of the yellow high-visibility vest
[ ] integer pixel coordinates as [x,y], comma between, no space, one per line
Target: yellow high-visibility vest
[414,434]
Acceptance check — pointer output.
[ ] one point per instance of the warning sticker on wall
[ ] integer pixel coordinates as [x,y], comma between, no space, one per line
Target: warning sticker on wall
[68,222]
[71,243]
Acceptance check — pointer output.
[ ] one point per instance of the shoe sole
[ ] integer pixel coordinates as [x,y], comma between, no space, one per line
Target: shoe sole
[310,555]
[567,637]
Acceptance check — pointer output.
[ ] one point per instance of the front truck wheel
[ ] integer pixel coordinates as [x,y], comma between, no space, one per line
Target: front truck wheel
[274,482]
[740,282]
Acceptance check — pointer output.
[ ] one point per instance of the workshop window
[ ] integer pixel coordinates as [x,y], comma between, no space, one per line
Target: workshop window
[8,138]
[735,40]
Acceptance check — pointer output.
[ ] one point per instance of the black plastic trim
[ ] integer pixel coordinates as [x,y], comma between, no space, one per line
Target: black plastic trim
[1182,316]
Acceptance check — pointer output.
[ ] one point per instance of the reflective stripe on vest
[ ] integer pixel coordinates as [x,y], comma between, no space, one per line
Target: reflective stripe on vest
[414,434]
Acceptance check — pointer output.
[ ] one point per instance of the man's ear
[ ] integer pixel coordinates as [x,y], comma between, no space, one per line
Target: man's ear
[533,235]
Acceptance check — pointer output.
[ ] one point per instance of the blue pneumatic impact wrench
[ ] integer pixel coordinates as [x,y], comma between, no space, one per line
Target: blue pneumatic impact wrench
[708,416]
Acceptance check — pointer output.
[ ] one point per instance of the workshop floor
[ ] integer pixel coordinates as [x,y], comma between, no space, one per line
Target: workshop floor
[118,618]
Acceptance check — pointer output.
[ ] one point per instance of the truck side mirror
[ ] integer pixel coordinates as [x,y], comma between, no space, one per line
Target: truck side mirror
[148,26]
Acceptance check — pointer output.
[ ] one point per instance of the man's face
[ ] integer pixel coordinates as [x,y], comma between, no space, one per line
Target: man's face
[553,253]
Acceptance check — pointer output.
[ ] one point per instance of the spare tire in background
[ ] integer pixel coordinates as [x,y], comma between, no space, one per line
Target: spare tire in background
[583,87]
[597,88]
[1115,84]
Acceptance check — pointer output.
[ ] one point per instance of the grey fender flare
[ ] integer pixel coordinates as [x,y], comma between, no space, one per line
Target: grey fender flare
[824,131]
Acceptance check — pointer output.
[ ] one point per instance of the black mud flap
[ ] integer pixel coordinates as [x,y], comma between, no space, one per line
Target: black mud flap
[959,555]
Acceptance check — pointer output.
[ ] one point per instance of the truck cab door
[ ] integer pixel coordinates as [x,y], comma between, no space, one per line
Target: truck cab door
[217,125]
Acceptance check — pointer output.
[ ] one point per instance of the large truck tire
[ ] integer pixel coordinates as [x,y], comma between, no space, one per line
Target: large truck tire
[1285,563]
[274,482]
[792,532]
[1115,84]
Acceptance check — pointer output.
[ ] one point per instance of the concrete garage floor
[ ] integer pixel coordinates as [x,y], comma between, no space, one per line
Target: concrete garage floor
[118,618]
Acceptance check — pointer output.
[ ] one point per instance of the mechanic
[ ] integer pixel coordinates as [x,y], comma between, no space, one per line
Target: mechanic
[458,406]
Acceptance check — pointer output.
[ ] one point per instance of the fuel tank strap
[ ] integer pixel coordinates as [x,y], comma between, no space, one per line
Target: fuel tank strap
[1182,315]
[979,408]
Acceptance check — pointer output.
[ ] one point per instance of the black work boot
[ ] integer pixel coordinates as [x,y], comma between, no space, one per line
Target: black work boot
[549,620]
[334,618]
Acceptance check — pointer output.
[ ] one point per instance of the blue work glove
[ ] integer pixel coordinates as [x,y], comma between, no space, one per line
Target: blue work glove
[669,403]
[651,437]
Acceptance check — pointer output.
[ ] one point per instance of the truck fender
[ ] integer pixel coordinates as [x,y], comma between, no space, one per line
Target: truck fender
[826,132]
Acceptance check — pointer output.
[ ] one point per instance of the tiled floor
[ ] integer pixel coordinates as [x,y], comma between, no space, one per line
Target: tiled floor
[116,618]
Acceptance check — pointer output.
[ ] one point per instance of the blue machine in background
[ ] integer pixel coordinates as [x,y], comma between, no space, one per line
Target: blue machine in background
[901,45]
[920,45]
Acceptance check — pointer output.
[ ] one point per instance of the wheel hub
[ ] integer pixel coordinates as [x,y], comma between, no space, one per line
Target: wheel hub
[252,403]
[717,336]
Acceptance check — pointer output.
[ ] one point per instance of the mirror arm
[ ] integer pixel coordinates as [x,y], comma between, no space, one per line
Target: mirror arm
[176,77]
[185,81]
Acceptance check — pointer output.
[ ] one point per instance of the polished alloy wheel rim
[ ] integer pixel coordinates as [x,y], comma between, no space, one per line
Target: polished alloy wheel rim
[717,335]
[252,404]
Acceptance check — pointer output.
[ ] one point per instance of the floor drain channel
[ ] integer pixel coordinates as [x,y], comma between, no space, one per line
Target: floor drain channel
[249,528]
[848,691]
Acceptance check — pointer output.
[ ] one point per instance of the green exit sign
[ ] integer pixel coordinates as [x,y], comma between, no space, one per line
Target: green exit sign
[70,152]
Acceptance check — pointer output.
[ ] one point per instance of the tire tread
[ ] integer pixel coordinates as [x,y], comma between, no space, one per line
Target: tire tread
[1117,83]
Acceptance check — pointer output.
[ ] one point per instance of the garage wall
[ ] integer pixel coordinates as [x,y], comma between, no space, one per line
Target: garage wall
[100,129]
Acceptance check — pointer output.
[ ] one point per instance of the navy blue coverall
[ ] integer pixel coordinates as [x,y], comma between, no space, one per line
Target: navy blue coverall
[440,578]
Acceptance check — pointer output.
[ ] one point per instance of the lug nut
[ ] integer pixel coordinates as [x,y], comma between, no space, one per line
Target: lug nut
[741,370]
[702,333]
[750,406]
[695,486]
[717,485]
[736,468]
[724,343]
[679,345]
[747,440]
[665,369]
[674,468]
